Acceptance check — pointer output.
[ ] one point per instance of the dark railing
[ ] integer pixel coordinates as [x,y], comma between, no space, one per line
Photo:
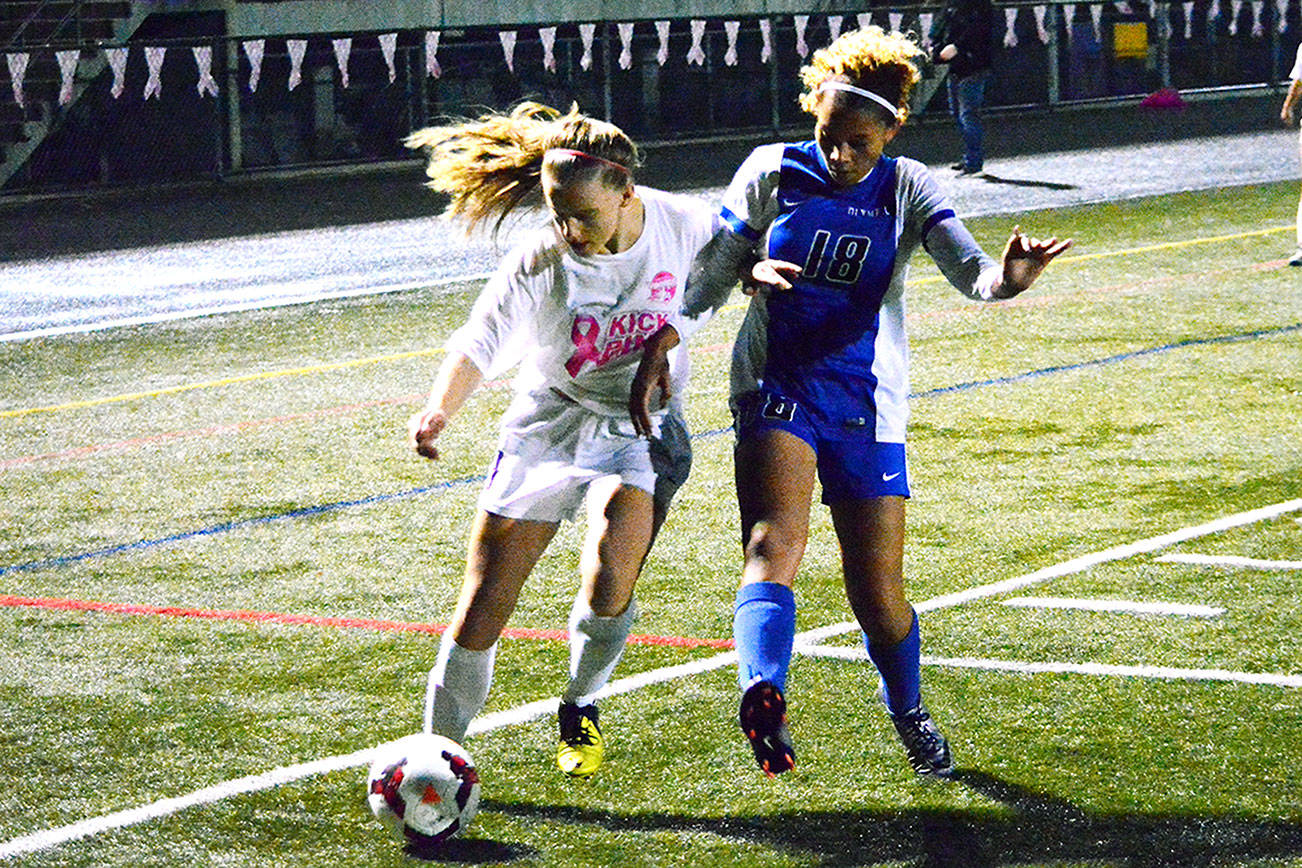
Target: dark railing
[1076,53]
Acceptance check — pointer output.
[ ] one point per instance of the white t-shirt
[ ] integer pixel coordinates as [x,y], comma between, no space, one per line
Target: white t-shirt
[576,323]
[1296,74]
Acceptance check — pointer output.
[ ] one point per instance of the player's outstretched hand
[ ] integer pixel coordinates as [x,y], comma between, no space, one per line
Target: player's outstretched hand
[769,274]
[423,429]
[652,378]
[1024,260]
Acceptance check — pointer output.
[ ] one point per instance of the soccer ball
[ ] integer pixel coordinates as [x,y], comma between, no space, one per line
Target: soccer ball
[423,788]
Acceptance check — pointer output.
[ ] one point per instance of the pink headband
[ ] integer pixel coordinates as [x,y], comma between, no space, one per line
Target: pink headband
[571,152]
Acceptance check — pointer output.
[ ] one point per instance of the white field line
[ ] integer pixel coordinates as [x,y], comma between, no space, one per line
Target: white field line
[1229,561]
[1124,606]
[1039,667]
[805,643]
[1142,547]
[234,307]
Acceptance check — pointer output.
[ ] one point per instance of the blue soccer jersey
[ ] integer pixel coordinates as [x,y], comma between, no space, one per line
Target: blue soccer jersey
[836,341]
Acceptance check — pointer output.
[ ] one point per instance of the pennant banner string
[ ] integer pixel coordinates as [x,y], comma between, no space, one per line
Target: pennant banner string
[154,55]
[67,61]
[254,50]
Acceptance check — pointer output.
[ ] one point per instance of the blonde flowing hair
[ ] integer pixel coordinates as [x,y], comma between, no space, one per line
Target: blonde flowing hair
[491,165]
[885,63]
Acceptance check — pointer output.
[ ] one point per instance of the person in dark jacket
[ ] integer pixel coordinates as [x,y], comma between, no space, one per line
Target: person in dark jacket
[962,38]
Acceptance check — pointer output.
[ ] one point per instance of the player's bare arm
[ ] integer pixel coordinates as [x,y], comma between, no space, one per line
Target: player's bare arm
[1024,259]
[456,379]
[1291,98]
[652,376]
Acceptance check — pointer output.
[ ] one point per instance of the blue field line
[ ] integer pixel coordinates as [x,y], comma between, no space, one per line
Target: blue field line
[1111,360]
[306,512]
[325,508]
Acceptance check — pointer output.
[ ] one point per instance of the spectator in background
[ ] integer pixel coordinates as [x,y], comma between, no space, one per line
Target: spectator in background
[1286,114]
[963,38]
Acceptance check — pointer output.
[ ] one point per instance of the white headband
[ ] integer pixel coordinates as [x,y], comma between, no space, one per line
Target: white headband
[832,84]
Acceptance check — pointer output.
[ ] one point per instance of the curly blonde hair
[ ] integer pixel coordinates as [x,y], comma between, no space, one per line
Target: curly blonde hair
[492,165]
[874,59]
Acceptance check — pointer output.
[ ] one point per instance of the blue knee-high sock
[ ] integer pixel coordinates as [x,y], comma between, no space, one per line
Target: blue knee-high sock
[764,627]
[901,668]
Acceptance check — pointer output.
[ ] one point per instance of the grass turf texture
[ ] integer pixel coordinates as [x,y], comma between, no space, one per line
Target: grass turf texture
[1140,424]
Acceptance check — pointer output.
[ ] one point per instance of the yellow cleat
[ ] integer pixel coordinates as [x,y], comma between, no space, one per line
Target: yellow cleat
[580,750]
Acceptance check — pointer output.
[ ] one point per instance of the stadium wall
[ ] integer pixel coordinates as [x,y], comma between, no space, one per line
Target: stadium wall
[321,110]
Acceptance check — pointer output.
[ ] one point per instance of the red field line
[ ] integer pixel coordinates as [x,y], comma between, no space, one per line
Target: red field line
[67,605]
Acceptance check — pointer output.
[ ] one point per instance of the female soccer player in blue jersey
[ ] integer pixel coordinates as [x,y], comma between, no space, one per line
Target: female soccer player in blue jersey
[820,376]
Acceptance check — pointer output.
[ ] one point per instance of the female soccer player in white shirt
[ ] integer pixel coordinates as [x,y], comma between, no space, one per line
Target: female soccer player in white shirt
[1287,114]
[571,304]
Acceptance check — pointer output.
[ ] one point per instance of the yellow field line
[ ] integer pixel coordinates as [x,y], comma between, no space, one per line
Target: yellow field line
[334,366]
[212,384]
[1151,248]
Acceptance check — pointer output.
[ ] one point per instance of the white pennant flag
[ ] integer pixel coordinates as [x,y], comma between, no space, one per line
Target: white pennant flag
[924,26]
[117,61]
[1039,25]
[766,34]
[731,28]
[17,72]
[1188,19]
[67,73]
[587,32]
[432,68]
[1258,16]
[1236,6]
[1281,18]
[507,38]
[1096,16]
[696,54]
[1213,13]
[547,36]
[297,49]
[802,47]
[865,20]
[154,59]
[662,33]
[626,45]
[389,49]
[1010,27]
[834,26]
[343,48]
[896,19]
[203,62]
[1124,8]
[254,49]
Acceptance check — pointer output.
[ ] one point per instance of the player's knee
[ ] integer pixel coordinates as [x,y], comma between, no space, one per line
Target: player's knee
[771,541]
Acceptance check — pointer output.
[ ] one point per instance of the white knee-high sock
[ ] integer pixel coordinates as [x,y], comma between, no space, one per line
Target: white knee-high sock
[596,644]
[457,688]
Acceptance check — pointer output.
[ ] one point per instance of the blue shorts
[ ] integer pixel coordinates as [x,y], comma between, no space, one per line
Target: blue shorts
[852,465]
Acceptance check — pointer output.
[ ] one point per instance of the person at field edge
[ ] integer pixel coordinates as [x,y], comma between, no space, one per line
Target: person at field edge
[962,38]
[1287,114]
[571,304]
[820,374]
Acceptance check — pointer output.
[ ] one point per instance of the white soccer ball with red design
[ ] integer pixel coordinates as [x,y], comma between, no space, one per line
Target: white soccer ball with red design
[423,788]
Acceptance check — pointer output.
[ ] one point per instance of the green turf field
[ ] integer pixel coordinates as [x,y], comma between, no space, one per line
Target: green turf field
[217,555]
